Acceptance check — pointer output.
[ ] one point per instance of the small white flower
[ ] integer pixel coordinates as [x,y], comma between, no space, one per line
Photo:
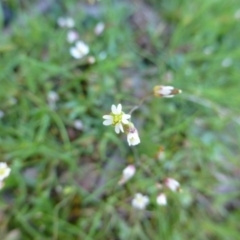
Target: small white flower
[102,55]
[13,100]
[52,96]
[98,30]
[65,22]
[127,174]
[172,184]
[165,91]
[117,118]
[161,154]
[78,124]
[237,14]
[162,199]
[91,60]
[79,50]
[132,137]
[208,50]
[227,62]
[72,36]
[1,114]
[4,171]
[140,201]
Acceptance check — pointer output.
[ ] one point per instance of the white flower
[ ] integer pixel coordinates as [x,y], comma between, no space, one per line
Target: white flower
[132,137]
[4,170]
[65,22]
[79,50]
[78,124]
[140,201]
[102,55]
[172,184]
[1,114]
[72,36]
[237,14]
[227,62]
[127,174]
[52,96]
[117,118]
[98,30]
[13,100]
[91,60]
[165,91]
[208,50]
[162,199]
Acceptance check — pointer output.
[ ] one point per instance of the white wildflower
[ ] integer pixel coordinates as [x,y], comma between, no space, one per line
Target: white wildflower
[227,62]
[98,30]
[67,22]
[127,174]
[102,55]
[78,124]
[140,201]
[2,114]
[132,136]
[72,36]
[172,184]
[4,170]
[208,50]
[165,91]
[162,199]
[79,50]
[116,118]
[52,98]
[91,60]
[237,14]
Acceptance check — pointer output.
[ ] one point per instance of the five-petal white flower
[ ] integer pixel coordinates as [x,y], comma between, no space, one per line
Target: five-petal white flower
[4,170]
[140,201]
[79,50]
[117,118]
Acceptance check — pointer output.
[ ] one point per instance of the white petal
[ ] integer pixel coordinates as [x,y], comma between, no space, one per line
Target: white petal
[107,122]
[119,108]
[107,117]
[121,127]
[75,53]
[117,128]
[82,47]
[114,109]
[125,117]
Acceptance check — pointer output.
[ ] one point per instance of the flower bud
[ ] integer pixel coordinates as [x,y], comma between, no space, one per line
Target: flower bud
[165,91]
[162,199]
[128,173]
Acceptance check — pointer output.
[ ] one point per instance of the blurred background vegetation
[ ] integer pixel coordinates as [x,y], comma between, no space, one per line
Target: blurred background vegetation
[63,183]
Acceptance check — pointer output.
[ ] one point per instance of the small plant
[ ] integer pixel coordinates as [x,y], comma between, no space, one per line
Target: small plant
[121,123]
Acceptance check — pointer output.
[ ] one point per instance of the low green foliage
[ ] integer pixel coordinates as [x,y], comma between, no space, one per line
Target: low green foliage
[64,181]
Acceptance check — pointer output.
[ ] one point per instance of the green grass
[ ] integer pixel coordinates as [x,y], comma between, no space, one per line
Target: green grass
[63,183]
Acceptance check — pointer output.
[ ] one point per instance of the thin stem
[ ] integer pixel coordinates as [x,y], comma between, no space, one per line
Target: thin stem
[140,103]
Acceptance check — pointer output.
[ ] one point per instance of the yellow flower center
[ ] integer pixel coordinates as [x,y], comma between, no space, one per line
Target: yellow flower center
[2,171]
[117,118]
